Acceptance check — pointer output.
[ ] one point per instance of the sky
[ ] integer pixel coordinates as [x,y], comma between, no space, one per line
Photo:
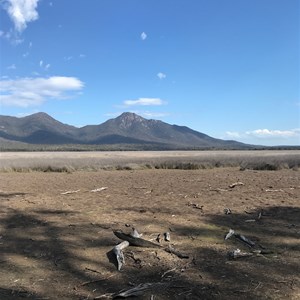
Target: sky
[226,68]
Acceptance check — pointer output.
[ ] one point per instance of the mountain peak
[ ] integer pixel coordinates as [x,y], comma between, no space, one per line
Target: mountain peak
[128,119]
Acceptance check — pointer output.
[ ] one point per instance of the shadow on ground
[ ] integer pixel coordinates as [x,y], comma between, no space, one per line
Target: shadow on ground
[41,260]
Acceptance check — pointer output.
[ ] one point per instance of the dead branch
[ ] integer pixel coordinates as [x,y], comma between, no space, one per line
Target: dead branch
[169,271]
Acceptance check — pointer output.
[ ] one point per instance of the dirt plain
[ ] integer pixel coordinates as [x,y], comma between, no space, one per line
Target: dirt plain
[57,245]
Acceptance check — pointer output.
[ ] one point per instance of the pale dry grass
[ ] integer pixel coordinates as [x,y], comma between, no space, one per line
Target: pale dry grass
[93,161]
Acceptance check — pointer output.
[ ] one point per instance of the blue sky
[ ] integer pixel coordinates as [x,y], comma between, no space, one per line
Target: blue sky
[227,68]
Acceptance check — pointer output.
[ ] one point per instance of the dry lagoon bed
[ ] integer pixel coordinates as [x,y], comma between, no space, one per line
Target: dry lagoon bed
[56,233]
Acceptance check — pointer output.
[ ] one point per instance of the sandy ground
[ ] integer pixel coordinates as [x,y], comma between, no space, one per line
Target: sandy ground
[57,245]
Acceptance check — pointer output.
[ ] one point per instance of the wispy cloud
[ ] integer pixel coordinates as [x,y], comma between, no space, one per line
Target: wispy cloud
[143,36]
[11,67]
[145,102]
[233,134]
[21,12]
[161,75]
[27,92]
[68,58]
[43,65]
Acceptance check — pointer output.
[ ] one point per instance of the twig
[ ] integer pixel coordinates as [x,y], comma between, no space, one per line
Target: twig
[163,275]
[94,281]
[95,271]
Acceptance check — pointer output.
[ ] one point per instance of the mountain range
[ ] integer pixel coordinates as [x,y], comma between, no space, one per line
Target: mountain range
[126,130]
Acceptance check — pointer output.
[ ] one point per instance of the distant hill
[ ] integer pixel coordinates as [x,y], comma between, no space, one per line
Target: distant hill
[127,129]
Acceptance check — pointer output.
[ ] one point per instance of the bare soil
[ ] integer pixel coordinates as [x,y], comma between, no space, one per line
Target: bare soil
[57,245]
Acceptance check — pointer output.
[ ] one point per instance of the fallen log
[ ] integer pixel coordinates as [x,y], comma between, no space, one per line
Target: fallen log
[135,241]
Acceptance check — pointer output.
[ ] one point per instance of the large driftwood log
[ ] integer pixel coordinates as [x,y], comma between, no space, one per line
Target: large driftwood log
[135,241]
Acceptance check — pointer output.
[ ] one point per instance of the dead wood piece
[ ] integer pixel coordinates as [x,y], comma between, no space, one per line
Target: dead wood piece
[138,290]
[245,240]
[117,250]
[170,249]
[134,241]
[92,270]
[158,238]
[167,236]
[195,205]
[270,190]
[135,233]
[99,189]
[69,192]
[227,211]
[234,254]
[167,272]
[229,234]
[236,184]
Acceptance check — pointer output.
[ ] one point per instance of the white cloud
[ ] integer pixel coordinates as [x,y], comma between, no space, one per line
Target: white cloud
[267,133]
[144,102]
[161,75]
[41,63]
[27,92]
[143,36]
[47,66]
[21,12]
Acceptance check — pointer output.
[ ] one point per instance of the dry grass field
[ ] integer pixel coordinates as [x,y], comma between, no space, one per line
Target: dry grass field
[58,212]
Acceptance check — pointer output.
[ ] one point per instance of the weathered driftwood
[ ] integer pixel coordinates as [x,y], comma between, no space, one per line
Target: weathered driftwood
[70,192]
[99,189]
[117,250]
[167,236]
[229,234]
[238,254]
[236,184]
[135,241]
[239,237]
